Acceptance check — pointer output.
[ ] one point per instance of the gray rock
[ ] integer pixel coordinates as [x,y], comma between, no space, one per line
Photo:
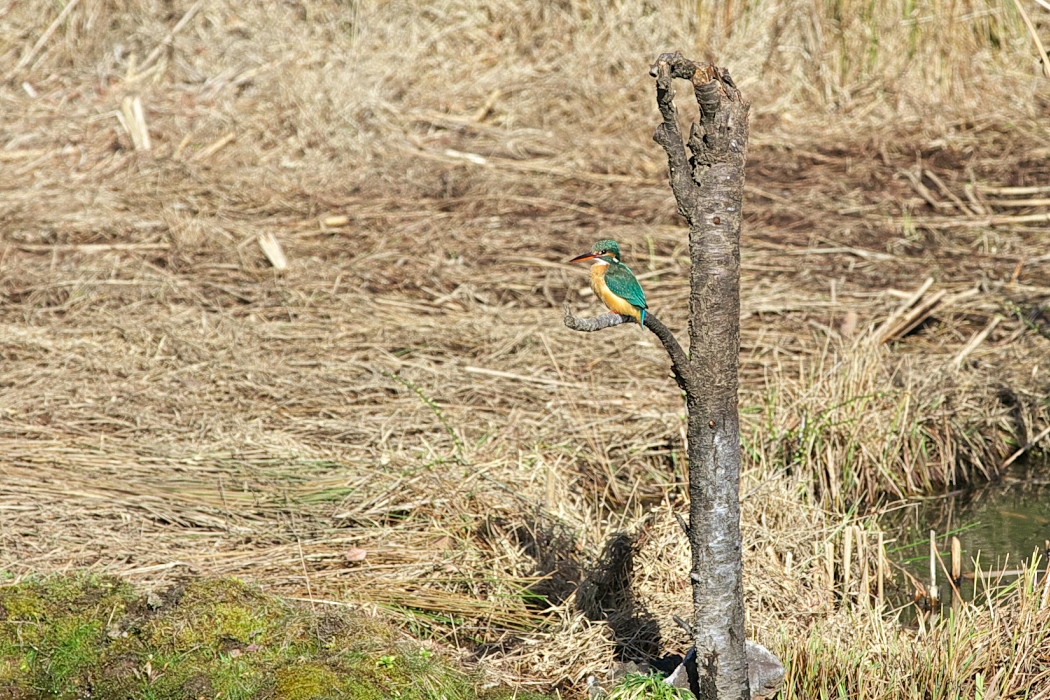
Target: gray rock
[764,671]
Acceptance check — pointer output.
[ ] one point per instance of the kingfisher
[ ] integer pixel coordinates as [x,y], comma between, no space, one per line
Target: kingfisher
[613,282]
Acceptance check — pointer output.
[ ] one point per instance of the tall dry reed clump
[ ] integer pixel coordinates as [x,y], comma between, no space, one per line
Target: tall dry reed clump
[859,423]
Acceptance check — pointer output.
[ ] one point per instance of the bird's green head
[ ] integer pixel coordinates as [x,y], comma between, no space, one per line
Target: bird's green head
[606,250]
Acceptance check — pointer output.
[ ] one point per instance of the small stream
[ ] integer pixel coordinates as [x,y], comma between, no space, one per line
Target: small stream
[1000,523]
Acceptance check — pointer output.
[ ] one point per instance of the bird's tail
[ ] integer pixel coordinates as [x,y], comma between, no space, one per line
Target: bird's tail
[642,319]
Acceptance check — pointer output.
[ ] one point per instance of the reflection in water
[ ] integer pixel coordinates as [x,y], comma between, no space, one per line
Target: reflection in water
[1003,522]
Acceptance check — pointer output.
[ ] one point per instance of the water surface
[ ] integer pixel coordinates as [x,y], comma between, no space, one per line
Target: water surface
[1001,523]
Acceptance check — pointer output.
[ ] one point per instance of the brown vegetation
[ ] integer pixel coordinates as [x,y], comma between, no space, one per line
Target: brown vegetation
[399,419]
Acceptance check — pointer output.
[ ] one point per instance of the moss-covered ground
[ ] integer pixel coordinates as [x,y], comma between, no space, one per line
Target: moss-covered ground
[95,636]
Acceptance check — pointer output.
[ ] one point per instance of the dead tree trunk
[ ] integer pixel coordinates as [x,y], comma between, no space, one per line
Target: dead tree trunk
[707,177]
[708,184]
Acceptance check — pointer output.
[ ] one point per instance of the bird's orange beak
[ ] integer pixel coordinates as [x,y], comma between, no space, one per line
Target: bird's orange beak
[585,256]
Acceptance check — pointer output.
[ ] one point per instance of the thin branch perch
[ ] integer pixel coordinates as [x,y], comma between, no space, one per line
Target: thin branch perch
[679,360]
[595,323]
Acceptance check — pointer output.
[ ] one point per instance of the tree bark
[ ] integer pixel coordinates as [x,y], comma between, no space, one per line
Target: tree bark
[708,186]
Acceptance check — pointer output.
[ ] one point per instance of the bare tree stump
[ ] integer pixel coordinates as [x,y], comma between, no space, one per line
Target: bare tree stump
[708,185]
[707,178]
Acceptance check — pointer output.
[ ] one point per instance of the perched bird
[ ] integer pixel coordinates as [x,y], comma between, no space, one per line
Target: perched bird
[613,282]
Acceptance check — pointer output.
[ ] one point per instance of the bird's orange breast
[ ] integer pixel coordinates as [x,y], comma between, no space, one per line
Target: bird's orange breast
[615,303]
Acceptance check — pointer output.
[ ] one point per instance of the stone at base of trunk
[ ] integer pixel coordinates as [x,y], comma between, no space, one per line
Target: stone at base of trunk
[765,673]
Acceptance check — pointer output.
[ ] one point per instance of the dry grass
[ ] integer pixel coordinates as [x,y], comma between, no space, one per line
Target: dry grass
[993,650]
[859,424]
[404,389]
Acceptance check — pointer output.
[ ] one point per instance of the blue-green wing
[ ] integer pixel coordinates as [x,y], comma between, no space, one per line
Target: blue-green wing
[623,284]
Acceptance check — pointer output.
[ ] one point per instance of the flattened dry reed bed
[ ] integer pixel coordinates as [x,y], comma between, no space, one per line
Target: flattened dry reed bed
[399,419]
